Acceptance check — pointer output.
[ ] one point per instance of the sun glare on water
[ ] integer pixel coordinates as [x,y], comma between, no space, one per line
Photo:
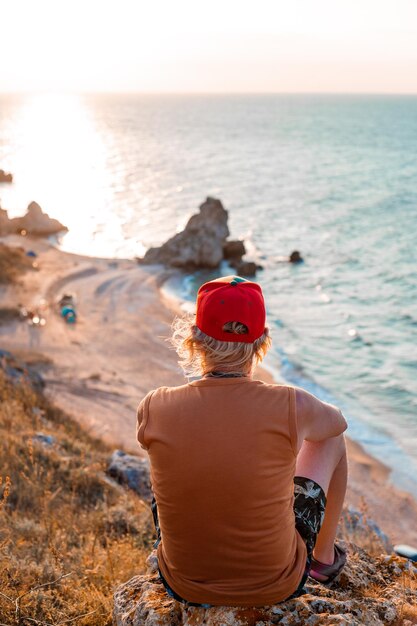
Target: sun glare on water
[59,159]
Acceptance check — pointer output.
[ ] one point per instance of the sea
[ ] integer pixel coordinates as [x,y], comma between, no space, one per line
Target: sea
[333,176]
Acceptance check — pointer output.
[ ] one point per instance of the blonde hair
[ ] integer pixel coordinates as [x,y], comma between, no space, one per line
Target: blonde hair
[200,354]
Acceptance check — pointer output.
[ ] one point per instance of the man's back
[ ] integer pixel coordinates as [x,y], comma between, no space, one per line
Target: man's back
[223,455]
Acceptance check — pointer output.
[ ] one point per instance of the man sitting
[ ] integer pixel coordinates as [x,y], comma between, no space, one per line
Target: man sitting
[249,478]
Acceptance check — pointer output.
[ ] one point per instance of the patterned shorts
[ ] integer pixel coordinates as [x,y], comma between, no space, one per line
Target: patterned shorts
[309,507]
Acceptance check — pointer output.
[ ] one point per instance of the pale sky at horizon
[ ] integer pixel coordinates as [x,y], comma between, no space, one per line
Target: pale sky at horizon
[339,46]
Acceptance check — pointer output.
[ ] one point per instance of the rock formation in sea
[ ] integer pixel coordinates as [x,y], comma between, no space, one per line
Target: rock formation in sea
[6,177]
[203,243]
[233,251]
[295,257]
[200,244]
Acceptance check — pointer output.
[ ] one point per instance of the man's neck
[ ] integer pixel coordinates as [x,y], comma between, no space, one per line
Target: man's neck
[226,374]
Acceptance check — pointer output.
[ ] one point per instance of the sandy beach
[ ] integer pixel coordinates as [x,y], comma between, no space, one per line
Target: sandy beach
[99,369]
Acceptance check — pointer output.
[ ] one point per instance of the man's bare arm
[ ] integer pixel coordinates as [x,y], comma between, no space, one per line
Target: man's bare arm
[317,420]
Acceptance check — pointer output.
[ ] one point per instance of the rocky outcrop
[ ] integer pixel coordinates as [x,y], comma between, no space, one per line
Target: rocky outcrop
[233,251]
[17,371]
[357,527]
[246,268]
[5,177]
[36,222]
[202,244]
[131,471]
[41,439]
[370,590]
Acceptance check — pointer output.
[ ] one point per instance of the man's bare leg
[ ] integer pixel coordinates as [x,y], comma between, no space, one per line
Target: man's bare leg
[325,462]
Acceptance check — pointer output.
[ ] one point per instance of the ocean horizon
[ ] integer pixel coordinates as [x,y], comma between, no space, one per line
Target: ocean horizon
[333,176]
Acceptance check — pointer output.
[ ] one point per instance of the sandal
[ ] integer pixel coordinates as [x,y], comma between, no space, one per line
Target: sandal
[330,571]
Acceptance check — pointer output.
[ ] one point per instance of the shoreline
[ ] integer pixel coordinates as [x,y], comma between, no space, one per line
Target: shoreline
[99,369]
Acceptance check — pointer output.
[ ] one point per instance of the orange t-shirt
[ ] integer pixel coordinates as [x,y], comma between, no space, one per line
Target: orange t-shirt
[222,454]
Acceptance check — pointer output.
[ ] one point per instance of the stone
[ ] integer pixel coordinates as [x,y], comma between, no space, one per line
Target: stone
[233,252]
[233,249]
[36,222]
[19,372]
[44,440]
[5,177]
[246,268]
[295,257]
[200,244]
[356,527]
[409,552]
[143,600]
[152,563]
[131,471]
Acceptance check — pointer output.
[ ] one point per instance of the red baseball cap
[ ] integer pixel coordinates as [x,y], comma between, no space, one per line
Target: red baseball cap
[231,299]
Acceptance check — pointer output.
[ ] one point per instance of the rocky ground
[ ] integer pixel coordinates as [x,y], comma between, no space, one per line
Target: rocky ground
[371,591]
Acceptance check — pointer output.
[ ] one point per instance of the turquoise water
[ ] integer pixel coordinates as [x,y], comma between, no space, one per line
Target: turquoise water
[332,176]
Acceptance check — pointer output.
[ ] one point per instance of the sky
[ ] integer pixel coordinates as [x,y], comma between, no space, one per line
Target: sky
[176,46]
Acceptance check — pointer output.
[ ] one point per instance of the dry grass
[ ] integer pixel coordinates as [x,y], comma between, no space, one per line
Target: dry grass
[409,614]
[401,588]
[67,535]
[357,528]
[13,261]
[408,611]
